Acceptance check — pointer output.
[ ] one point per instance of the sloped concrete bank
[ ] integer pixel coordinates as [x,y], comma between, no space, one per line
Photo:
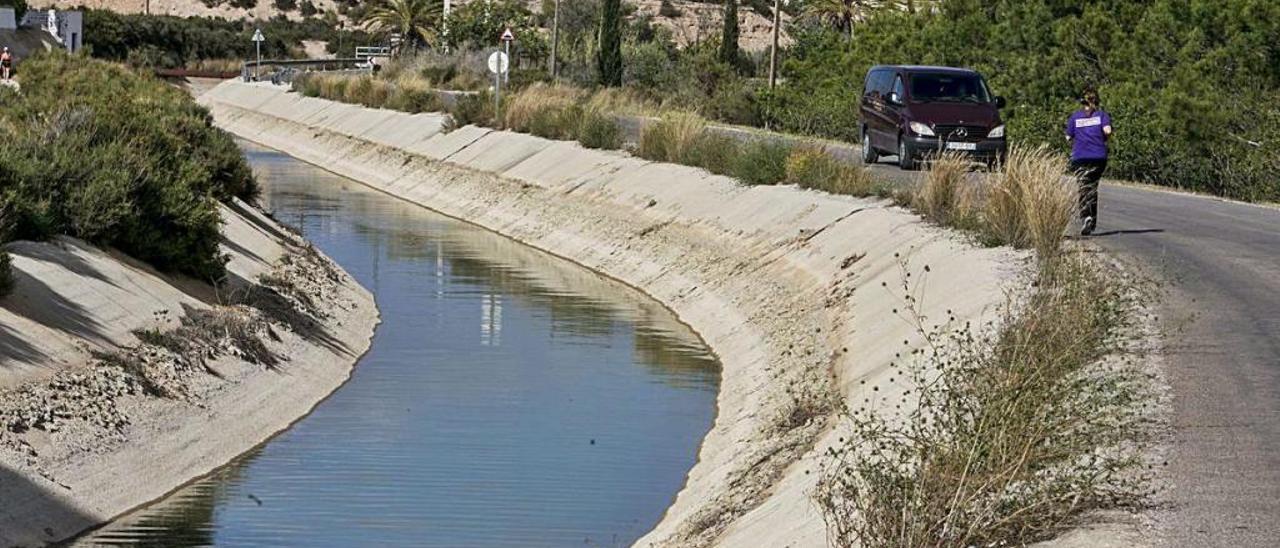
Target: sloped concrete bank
[119,384]
[800,293]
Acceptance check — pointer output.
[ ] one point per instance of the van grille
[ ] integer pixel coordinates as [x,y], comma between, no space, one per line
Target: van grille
[953,133]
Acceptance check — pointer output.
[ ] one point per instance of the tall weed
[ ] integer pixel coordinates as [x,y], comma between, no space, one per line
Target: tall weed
[672,138]
[813,168]
[1029,203]
[945,195]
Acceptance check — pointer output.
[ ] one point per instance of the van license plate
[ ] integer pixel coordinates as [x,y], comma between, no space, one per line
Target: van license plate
[962,146]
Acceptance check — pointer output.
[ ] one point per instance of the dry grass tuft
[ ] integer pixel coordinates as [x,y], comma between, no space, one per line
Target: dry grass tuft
[945,195]
[813,168]
[673,138]
[1015,434]
[1029,203]
[538,101]
[624,101]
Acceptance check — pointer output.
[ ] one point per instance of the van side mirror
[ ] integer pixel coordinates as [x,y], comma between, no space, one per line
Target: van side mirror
[1000,102]
[894,99]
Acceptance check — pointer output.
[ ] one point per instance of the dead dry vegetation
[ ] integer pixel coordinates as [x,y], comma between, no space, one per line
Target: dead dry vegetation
[1011,432]
[252,326]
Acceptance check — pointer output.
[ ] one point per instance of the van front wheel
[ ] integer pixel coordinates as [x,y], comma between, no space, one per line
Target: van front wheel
[906,156]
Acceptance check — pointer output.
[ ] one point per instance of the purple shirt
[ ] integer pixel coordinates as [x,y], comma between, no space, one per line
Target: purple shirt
[1088,142]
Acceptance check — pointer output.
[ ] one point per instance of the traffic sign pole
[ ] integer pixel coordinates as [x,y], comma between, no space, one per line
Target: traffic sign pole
[507,38]
[258,38]
[498,65]
[497,98]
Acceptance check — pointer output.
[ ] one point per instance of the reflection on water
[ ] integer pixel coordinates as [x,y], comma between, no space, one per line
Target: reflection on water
[510,398]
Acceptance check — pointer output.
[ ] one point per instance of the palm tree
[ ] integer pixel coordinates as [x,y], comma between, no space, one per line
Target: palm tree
[414,20]
[840,13]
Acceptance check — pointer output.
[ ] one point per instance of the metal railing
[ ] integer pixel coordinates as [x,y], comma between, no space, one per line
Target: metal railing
[254,70]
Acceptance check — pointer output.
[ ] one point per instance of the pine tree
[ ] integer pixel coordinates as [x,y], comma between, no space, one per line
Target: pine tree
[729,41]
[610,55]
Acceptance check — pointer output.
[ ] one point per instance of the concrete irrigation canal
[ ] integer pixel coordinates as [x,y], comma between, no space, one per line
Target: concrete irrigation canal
[509,398]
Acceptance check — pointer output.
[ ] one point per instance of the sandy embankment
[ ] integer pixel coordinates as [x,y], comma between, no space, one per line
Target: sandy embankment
[84,442]
[796,291]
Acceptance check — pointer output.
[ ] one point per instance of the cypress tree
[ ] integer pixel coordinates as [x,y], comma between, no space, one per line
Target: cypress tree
[610,56]
[729,41]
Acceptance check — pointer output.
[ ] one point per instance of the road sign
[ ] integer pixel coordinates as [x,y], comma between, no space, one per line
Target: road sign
[507,35]
[498,62]
[258,37]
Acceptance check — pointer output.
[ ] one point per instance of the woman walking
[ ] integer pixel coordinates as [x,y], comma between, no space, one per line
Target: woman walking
[1088,130]
[6,63]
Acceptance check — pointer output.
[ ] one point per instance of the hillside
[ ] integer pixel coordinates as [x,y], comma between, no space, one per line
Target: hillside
[264,9]
[692,21]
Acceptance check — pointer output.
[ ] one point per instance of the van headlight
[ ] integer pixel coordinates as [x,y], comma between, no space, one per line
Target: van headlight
[921,129]
[997,133]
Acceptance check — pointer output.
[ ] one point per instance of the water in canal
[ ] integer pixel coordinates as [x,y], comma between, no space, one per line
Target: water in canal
[509,398]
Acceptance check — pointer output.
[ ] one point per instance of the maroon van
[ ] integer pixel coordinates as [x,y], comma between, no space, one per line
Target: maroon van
[916,111]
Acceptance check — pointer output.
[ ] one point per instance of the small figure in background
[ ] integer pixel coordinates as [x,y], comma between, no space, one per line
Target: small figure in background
[6,64]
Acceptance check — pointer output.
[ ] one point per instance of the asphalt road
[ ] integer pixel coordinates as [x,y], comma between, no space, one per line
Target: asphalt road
[1219,263]
[1221,323]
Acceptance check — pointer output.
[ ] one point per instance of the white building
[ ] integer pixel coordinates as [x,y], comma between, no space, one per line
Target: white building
[66,27]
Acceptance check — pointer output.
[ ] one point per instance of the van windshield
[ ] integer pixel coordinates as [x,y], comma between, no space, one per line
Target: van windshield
[930,87]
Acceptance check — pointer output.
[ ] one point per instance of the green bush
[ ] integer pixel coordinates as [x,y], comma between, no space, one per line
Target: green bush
[169,41]
[95,151]
[597,130]
[762,162]
[713,152]
[413,99]
[474,109]
[6,273]
[551,123]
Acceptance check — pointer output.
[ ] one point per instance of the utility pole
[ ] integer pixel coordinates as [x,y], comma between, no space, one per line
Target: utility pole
[773,51]
[555,39]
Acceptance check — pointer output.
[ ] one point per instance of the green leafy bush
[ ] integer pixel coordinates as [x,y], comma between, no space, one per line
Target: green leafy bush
[475,109]
[762,162]
[598,130]
[6,273]
[713,152]
[413,99]
[814,168]
[168,41]
[95,151]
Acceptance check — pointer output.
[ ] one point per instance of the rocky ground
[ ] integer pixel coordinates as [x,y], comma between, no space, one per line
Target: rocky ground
[92,409]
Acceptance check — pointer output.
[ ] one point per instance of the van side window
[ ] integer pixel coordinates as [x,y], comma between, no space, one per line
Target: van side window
[899,89]
[882,82]
[874,85]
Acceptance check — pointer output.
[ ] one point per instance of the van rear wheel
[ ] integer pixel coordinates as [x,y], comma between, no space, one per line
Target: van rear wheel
[906,159]
[869,155]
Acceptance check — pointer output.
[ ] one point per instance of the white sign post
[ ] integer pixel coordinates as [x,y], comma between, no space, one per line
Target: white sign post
[507,38]
[258,39]
[498,65]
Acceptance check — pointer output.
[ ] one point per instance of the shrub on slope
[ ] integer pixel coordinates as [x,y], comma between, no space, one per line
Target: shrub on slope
[95,151]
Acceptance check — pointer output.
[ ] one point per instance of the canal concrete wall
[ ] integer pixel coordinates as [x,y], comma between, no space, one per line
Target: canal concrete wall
[102,449]
[810,300]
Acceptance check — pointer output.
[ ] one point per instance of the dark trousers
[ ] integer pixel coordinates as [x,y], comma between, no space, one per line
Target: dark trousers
[1088,173]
